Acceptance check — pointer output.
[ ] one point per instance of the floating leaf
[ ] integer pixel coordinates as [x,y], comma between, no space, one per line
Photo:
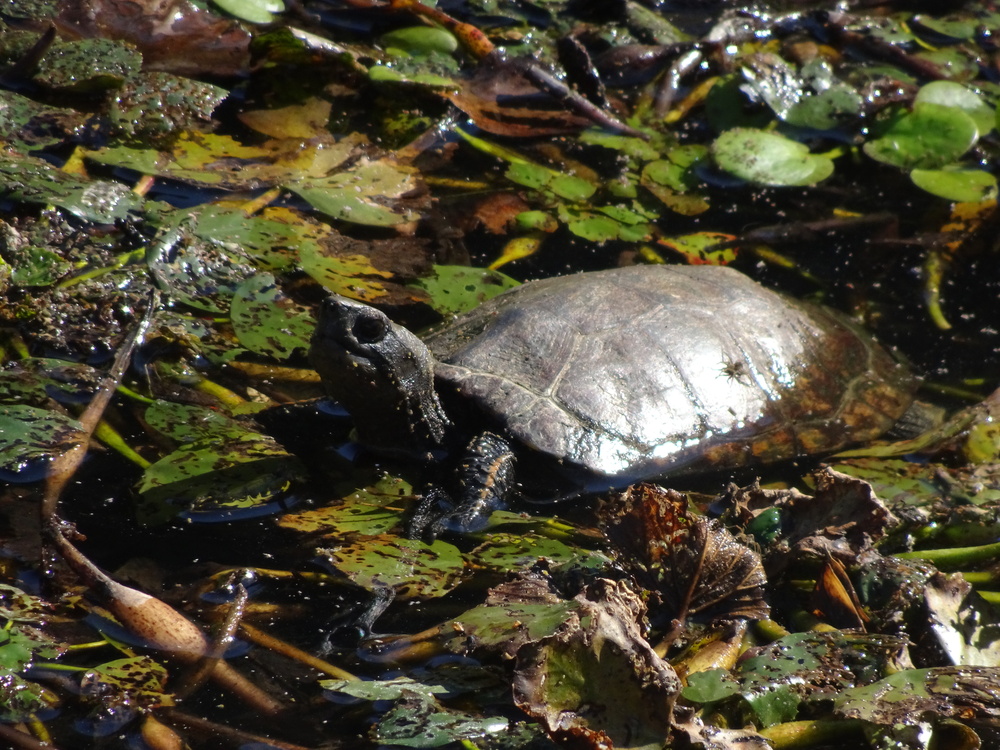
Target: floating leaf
[157,105]
[929,137]
[419,721]
[703,247]
[135,682]
[204,274]
[23,700]
[306,120]
[87,66]
[456,289]
[951,94]
[253,11]
[224,468]
[30,437]
[513,551]
[538,177]
[371,511]
[27,125]
[963,185]
[414,569]
[187,423]
[348,275]
[37,181]
[768,158]
[220,161]
[360,194]
[268,322]
[421,40]
[916,695]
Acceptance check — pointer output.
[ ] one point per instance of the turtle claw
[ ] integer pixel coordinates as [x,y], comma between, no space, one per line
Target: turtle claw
[486,477]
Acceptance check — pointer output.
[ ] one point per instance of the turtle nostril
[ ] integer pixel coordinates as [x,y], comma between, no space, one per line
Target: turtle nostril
[369,329]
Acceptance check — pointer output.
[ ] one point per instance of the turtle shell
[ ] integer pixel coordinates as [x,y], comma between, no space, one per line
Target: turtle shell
[647,371]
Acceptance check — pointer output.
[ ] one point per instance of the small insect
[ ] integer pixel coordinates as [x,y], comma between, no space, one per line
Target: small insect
[736,369]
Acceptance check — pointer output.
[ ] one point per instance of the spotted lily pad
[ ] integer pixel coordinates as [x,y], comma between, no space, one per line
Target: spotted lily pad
[28,125]
[457,289]
[137,681]
[415,570]
[37,181]
[767,158]
[268,322]
[371,511]
[87,66]
[30,437]
[223,467]
[362,195]
[418,720]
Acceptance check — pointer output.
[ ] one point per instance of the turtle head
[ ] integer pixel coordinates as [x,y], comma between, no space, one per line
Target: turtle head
[382,374]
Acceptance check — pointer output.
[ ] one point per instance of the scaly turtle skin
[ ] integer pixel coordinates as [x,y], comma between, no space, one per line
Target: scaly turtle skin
[612,377]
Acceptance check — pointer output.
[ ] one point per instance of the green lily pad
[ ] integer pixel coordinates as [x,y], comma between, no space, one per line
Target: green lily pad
[222,468]
[268,322]
[36,181]
[929,137]
[371,511]
[352,275]
[419,721]
[420,40]
[964,185]
[414,569]
[87,66]
[456,289]
[27,125]
[768,158]
[360,194]
[158,105]
[30,436]
[137,681]
[252,11]
[951,94]
[538,177]
[202,273]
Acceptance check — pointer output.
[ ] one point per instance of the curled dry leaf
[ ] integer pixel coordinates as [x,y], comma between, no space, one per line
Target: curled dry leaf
[695,566]
[563,680]
[501,99]
[843,519]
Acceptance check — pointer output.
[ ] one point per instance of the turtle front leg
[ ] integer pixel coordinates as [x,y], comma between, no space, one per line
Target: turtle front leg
[485,479]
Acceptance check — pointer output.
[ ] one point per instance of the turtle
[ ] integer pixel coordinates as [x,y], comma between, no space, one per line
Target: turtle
[598,380]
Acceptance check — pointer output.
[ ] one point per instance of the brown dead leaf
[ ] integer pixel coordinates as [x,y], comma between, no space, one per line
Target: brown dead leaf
[696,566]
[563,680]
[174,36]
[501,99]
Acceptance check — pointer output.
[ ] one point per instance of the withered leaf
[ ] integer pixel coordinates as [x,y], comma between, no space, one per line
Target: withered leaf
[502,100]
[563,680]
[696,566]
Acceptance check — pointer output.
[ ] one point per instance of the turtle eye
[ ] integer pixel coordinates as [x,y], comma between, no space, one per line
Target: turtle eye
[369,329]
